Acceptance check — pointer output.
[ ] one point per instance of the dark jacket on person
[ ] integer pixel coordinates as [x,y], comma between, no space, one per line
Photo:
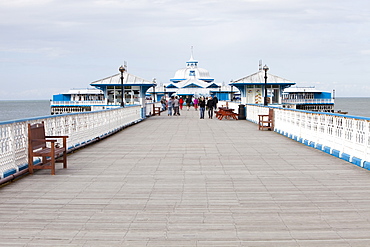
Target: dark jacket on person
[215,100]
[210,103]
[202,103]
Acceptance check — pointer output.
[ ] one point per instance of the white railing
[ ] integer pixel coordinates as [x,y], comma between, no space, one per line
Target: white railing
[230,104]
[252,112]
[91,103]
[82,128]
[343,136]
[149,107]
[78,103]
[308,101]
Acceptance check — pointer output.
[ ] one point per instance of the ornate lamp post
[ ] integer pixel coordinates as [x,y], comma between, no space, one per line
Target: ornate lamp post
[122,69]
[155,84]
[265,68]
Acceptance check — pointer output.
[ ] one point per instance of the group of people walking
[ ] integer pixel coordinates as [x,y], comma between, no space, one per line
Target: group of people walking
[175,104]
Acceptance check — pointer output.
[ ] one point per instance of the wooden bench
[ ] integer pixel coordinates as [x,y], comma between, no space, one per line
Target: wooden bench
[233,115]
[266,121]
[39,145]
[226,113]
[218,114]
[156,110]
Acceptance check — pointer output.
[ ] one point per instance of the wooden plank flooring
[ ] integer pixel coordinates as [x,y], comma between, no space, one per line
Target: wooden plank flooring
[185,181]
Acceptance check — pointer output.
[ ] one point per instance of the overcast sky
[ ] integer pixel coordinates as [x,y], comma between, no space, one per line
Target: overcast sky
[50,46]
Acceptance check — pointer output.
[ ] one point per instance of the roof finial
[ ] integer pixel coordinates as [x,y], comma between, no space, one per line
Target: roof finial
[192,50]
[260,65]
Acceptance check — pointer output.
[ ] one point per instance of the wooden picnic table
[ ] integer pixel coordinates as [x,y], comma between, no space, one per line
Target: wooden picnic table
[227,113]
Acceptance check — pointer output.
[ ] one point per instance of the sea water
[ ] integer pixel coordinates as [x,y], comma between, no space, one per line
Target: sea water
[20,109]
[355,106]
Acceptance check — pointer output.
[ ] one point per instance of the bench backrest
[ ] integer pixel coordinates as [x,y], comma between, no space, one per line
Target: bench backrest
[271,113]
[36,131]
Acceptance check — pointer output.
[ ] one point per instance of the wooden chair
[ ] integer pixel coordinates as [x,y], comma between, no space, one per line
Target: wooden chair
[48,149]
[266,121]
[156,110]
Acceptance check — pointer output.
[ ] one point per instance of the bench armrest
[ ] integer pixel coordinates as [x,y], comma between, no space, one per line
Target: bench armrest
[64,139]
[43,140]
[56,136]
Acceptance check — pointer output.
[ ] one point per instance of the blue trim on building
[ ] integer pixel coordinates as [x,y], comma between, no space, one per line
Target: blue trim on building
[192,85]
[62,97]
[126,84]
[261,83]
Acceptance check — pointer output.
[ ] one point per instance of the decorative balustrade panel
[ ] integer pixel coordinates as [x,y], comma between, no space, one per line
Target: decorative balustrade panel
[253,111]
[13,147]
[231,104]
[149,108]
[344,136]
[308,101]
[80,127]
[78,103]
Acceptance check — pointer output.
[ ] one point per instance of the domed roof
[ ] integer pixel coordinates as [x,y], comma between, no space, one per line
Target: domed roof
[190,71]
[186,73]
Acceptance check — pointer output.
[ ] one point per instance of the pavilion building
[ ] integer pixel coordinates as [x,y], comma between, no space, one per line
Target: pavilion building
[192,81]
[252,87]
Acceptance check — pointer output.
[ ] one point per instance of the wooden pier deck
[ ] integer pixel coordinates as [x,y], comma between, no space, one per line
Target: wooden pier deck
[185,181]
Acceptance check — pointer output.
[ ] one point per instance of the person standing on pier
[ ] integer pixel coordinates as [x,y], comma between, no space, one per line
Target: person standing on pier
[163,102]
[170,105]
[181,103]
[188,102]
[202,107]
[215,101]
[176,103]
[210,106]
[195,102]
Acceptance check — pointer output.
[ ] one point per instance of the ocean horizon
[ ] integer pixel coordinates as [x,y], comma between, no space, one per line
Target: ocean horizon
[22,109]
